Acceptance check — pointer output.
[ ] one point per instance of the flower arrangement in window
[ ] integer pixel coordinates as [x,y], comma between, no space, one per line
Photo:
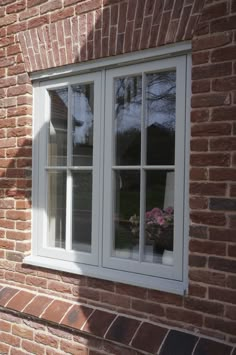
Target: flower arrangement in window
[159,225]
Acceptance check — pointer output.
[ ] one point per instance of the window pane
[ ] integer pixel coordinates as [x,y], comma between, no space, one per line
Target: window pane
[57,144]
[159,217]
[128,102]
[82,115]
[127,196]
[160,117]
[82,211]
[56,209]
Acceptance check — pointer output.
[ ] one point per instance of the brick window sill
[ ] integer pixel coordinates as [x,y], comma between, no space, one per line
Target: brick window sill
[129,333]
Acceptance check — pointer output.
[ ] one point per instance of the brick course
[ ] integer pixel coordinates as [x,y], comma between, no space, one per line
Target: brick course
[41,34]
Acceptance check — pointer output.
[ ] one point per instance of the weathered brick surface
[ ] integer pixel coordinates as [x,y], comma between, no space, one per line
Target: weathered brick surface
[41,34]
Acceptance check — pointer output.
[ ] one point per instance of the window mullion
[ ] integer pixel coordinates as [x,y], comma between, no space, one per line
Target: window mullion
[69,174]
[142,174]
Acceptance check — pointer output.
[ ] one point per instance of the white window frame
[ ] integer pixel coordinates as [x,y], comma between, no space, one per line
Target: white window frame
[100,263]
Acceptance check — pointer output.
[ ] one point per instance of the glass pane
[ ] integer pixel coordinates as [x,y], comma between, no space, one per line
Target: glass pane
[159,217]
[160,117]
[57,141]
[127,196]
[56,209]
[82,116]
[128,101]
[82,211]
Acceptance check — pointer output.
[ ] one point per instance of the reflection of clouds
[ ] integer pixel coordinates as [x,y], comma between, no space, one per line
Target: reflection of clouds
[82,114]
[83,118]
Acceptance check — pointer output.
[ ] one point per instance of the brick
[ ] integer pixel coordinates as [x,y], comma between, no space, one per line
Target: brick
[22,332]
[197,290]
[221,264]
[207,277]
[233,190]
[148,307]
[56,311]
[50,6]
[218,234]
[214,11]
[7,244]
[149,338]
[225,204]
[72,348]
[232,250]
[18,215]
[200,86]
[196,231]
[178,343]
[204,306]
[224,24]
[10,339]
[223,174]
[45,339]
[231,281]
[225,84]
[223,144]
[186,316]
[198,174]
[207,247]
[32,347]
[208,218]
[99,322]
[212,41]
[164,297]
[36,281]
[207,346]
[14,8]
[77,316]
[208,189]
[115,299]
[224,54]
[199,145]
[210,159]
[200,57]
[198,203]
[62,14]
[59,287]
[7,20]
[210,100]
[122,330]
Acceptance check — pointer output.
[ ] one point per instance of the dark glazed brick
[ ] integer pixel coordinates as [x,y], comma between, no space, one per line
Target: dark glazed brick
[209,347]
[98,323]
[19,301]
[178,343]
[38,305]
[56,311]
[225,204]
[6,294]
[149,338]
[123,329]
[77,316]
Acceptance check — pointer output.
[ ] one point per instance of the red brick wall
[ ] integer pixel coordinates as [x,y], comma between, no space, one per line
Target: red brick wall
[40,34]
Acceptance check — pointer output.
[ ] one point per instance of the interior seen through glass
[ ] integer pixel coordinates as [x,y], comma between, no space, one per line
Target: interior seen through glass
[155,235]
[80,155]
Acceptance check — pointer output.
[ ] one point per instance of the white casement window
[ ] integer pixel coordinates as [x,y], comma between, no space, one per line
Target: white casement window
[109,165]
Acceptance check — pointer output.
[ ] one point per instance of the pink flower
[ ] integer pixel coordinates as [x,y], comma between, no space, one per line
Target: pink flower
[169,210]
[161,220]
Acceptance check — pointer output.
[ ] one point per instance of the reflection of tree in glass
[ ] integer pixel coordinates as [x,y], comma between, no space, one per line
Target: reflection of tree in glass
[160,100]
[159,115]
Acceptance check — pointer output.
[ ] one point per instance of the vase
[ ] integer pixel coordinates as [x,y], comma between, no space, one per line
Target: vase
[167,257]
